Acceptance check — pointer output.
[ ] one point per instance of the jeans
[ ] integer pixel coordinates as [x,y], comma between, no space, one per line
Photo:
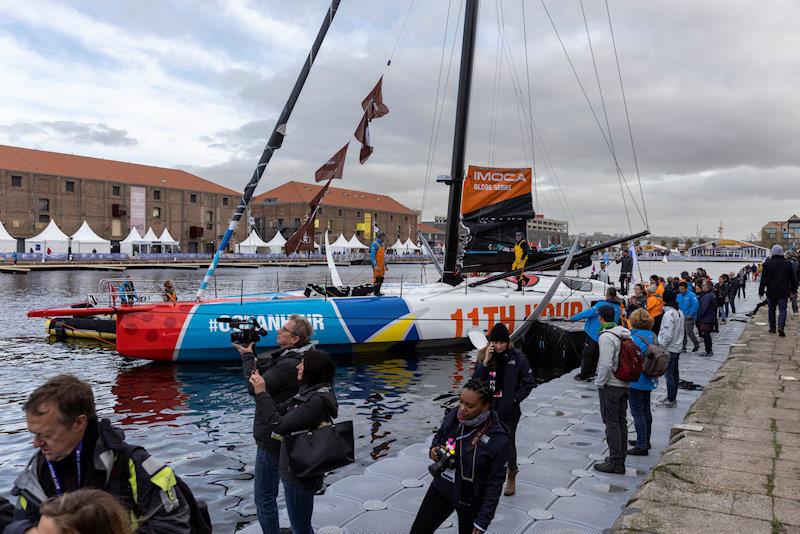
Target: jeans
[705,333]
[673,376]
[435,508]
[624,280]
[688,332]
[781,305]
[614,410]
[511,421]
[639,402]
[732,302]
[589,356]
[299,506]
[793,298]
[723,312]
[265,490]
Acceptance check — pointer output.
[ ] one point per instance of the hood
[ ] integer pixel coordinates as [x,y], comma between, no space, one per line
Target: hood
[620,331]
[326,392]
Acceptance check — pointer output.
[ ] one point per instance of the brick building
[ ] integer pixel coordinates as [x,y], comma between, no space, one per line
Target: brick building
[344,211]
[786,233]
[112,196]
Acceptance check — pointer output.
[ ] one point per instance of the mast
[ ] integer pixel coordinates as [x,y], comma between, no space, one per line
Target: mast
[274,143]
[459,142]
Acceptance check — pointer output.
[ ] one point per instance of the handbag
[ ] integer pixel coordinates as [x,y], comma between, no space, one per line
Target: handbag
[315,452]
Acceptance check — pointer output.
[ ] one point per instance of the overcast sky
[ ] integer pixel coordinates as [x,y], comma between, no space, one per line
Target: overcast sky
[711,86]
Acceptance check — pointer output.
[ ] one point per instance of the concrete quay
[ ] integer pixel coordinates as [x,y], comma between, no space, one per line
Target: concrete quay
[741,472]
[559,438]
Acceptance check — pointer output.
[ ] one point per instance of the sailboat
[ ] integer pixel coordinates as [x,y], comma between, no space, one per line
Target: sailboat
[440,313]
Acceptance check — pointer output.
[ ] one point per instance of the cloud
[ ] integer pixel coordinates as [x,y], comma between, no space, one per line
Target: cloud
[69,132]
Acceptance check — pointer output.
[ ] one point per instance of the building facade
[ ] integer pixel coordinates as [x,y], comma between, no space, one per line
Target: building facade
[729,248]
[547,231]
[786,233]
[112,196]
[343,211]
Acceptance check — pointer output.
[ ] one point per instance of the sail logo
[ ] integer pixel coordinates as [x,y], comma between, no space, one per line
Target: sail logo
[494,176]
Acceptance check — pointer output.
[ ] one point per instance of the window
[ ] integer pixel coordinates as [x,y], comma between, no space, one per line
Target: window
[44,204]
[70,186]
[44,218]
[280,222]
[391,217]
[224,201]
[297,223]
[156,195]
[358,214]
[193,198]
[340,213]
[16,181]
[329,224]
[209,216]
[115,190]
[156,213]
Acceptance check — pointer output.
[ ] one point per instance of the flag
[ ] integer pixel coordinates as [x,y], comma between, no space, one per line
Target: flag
[635,265]
[373,107]
[303,238]
[334,167]
[605,257]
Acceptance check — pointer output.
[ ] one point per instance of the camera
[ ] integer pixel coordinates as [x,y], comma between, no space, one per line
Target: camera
[244,331]
[443,461]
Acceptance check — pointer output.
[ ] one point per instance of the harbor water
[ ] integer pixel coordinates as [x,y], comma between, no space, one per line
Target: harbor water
[199,417]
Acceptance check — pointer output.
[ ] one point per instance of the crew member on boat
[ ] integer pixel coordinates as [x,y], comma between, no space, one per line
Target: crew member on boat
[377,255]
[169,292]
[521,251]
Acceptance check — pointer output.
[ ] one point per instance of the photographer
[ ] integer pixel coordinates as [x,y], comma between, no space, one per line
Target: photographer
[470,451]
[312,407]
[279,370]
[510,378]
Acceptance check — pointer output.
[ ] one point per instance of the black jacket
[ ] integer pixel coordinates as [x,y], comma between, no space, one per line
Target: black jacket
[486,461]
[733,288]
[517,381]
[707,311]
[627,264]
[778,279]
[305,411]
[158,503]
[279,369]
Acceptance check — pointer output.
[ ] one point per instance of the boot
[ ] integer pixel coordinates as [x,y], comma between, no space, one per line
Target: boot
[607,467]
[511,482]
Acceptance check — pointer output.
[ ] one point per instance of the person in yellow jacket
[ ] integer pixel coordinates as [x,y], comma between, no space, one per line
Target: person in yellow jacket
[521,251]
[655,306]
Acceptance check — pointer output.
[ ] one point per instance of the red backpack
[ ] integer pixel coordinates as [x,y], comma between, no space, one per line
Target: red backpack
[630,361]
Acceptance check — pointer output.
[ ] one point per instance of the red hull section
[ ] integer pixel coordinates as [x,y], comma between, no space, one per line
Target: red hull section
[152,333]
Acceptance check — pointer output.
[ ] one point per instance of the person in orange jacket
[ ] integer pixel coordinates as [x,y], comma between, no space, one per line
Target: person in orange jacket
[654,306]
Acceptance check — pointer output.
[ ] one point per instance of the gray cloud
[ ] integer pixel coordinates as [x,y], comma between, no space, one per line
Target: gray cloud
[70,132]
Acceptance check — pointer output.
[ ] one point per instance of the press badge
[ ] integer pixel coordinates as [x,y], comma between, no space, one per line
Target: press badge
[449,475]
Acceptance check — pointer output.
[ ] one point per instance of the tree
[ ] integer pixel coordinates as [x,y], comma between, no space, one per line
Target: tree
[663,243]
[675,243]
[689,244]
[702,240]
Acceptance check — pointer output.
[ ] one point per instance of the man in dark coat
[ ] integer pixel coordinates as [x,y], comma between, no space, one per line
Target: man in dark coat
[625,271]
[778,281]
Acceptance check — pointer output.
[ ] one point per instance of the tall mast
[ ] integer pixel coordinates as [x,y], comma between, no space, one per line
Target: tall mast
[459,142]
[274,143]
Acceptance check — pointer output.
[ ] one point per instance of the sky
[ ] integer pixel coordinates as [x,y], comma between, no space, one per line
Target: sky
[710,87]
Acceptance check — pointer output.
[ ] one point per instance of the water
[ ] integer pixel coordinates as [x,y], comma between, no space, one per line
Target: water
[199,417]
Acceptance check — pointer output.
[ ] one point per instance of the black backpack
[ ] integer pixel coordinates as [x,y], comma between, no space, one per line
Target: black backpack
[656,359]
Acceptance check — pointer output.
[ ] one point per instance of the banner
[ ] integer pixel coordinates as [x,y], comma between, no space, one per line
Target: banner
[138,209]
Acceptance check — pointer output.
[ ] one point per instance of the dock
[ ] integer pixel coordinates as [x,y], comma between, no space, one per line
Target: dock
[25,267]
[559,438]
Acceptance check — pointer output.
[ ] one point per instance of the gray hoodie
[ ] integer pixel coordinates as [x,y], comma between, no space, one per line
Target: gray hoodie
[610,344]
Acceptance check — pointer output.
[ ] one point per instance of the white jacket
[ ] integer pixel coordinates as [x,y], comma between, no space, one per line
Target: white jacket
[672,328]
[608,361]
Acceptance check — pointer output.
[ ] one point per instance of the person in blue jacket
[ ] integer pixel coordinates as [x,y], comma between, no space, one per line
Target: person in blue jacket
[471,452]
[689,305]
[591,349]
[639,397]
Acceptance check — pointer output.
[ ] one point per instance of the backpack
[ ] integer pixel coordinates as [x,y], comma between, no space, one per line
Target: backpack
[629,363]
[656,359]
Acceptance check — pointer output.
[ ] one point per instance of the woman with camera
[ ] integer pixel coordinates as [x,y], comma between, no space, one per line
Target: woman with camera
[470,454]
[314,405]
[510,378]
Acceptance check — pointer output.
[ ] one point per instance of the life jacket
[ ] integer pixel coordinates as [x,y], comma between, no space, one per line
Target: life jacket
[380,260]
[520,257]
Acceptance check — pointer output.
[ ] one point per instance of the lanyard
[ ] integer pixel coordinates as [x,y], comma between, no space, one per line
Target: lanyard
[54,476]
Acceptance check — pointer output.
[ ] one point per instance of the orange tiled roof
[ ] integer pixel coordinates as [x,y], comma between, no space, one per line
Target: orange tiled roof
[426,228]
[67,165]
[344,198]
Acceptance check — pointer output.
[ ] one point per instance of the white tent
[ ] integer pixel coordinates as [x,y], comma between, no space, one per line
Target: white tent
[134,238]
[398,245]
[408,247]
[167,240]
[150,238]
[354,243]
[275,244]
[251,244]
[7,243]
[85,241]
[51,237]
[340,246]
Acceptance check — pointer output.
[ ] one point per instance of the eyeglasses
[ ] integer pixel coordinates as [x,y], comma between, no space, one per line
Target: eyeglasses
[284,329]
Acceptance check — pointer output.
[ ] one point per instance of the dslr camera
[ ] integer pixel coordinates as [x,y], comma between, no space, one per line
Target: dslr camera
[443,461]
[243,331]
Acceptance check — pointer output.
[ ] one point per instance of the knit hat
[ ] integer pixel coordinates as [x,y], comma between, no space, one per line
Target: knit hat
[777,250]
[606,313]
[499,333]
[669,296]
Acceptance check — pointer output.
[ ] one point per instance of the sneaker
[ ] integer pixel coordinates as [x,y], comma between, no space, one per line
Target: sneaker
[696,348]
[579,377]
[666,404]
[632,443]
[638,451]
[781,333]
[607,467]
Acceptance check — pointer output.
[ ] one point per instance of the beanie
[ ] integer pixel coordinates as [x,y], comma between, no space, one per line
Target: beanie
[499,333]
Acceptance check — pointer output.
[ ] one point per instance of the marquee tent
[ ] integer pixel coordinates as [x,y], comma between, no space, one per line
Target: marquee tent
[7,243]
[275,244]
[167,240]
[51,237]
[251,244]
[340,246]
[397,245]
[85,241]
[354,243]
[134,238]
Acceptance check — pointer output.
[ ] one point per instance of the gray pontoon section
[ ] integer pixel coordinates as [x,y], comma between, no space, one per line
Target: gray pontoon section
[560,436]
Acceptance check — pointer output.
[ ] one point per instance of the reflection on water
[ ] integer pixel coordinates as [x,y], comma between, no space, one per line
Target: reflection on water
[199,416]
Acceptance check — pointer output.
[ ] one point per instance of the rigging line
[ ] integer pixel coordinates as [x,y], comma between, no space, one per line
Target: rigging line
[428,163]
[495,98]
[588,102]
[627,115]
[605,113]
[399,34]
[530,100]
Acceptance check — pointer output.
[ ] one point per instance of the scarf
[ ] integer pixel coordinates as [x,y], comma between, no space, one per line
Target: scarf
[475,421]
[607,326]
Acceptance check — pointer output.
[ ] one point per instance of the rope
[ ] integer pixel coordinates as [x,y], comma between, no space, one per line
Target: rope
[530,103]
[399,34]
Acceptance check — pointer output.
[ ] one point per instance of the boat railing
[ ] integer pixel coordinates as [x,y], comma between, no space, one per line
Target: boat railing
[129,292]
